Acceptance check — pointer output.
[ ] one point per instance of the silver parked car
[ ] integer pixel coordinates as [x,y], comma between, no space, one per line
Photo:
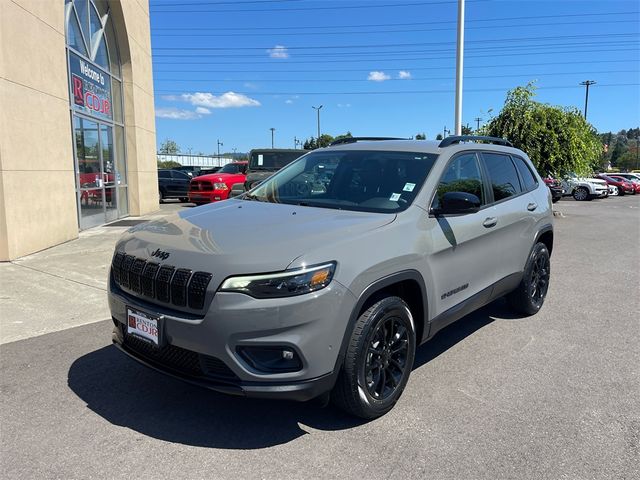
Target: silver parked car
[328,275]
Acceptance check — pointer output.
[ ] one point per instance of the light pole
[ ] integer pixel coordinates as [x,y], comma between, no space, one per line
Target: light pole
[318,110]
[459,67]
[478,120]
[219,145]
[586,83]
[445,132]
[272,130]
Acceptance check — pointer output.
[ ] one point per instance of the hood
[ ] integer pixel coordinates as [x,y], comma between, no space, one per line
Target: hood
[592,180]
[239,237]
[218,177]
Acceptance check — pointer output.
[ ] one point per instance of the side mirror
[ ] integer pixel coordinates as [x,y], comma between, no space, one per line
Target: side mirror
[458,203]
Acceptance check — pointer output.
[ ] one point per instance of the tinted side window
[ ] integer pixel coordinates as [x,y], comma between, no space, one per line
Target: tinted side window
[462,175]
[527,176]
[502,175]
[164,174]
[180,175]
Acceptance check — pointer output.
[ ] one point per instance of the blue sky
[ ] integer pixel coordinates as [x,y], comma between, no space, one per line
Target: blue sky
[231,70]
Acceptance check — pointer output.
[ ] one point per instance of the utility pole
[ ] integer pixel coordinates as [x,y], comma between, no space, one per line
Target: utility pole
[272,130]
[219,144]
[478,120]
[318,109]
[445,132]
[586,83]
[459,67]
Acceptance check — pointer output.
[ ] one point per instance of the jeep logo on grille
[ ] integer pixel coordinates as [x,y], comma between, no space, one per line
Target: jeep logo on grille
[160,254]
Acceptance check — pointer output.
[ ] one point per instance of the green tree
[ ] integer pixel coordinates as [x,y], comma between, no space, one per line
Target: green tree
[168,164]
[558,140]
[439,136]
[466,130]
[169,147]
[421,136]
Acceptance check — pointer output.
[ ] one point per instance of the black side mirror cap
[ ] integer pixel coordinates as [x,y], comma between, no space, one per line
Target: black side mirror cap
[458,203]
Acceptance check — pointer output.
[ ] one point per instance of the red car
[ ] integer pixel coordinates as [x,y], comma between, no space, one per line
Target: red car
[216,186]
[623,186]
[635,185]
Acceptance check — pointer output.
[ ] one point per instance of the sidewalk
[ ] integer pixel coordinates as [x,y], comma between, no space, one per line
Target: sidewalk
[63,286]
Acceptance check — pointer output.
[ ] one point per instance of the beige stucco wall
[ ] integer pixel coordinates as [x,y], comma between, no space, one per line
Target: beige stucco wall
[37,180]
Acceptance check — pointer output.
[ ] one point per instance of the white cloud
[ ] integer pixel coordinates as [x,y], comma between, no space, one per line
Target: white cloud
[226,100]
[404,75]
[171,98]
[279,51]
[203,111]
[288,101]
[376,76]
[344,105]
[177,114]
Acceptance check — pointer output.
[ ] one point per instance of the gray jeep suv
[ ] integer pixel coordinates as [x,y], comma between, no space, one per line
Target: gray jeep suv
[327,276]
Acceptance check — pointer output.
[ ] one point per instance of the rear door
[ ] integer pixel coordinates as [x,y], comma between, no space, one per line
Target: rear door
[179,183]
[514,209]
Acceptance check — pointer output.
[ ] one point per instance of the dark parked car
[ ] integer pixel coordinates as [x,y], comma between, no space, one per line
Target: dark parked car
[173,184]
[556,188]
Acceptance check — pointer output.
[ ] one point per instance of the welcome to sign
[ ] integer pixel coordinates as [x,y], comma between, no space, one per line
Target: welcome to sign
[90,88]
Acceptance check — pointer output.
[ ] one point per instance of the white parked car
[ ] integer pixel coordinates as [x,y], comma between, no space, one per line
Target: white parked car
[585,188]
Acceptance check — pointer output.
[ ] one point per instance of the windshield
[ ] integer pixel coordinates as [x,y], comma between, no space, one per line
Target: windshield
[367,181]
[230,168]
[272,160]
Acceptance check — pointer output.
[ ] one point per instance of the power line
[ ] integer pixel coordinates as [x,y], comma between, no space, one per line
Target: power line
[377,60]
[412,92]
[494,19]
[502,65]
[397,54]
[341,7]
[406,30]
[385,45]
[391,79]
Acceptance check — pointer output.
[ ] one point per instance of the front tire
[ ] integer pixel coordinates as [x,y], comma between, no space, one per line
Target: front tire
[529,297]
[580,194]
[378,360]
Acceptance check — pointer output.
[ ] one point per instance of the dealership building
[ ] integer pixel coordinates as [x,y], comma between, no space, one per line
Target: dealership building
[77,127]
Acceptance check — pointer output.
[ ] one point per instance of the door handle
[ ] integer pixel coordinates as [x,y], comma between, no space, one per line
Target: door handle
[532,206]
[490,222]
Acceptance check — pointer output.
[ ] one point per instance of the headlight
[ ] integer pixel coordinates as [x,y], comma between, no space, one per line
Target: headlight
[285,284]
[220,186]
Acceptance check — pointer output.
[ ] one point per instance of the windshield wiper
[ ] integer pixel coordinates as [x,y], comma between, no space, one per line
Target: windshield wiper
[251,196]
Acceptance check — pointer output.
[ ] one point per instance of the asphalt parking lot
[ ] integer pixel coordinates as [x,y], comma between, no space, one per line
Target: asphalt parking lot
[492,396]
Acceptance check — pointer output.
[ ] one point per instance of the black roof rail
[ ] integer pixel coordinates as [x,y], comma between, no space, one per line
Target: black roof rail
[342,141]
[473,138]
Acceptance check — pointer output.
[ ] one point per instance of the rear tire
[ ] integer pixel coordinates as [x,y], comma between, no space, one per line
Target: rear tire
[378,360]
[160,196]
[529,297]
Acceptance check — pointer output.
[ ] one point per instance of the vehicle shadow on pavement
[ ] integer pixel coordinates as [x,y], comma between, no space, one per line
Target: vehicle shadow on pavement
[130,395]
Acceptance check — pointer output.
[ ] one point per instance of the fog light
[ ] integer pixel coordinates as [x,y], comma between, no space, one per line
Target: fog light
[271,359]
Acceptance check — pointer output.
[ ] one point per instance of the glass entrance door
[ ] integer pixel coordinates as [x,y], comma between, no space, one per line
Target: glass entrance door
[95,173]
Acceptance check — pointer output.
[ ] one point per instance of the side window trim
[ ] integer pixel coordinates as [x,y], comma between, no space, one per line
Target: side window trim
[483,177]
[488,178]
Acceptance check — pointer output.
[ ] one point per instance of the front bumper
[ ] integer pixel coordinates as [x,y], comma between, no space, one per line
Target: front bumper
[205,351]
[208,197]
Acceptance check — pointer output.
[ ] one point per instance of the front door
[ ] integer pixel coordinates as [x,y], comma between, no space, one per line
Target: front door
[464,249]
[95,172]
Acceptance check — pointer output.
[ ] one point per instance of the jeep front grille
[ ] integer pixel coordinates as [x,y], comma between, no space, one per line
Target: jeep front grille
[180,287]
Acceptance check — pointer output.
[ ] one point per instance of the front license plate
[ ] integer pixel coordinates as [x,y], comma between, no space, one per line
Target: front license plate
[143,325]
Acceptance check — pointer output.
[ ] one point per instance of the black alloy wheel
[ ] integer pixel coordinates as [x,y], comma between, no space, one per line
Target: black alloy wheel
[378,359]
[530,294]
[539,283]
[386,359]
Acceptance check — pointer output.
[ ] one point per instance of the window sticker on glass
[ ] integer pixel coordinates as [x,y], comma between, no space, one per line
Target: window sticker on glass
[408,187]
[394,197]
[260,159]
